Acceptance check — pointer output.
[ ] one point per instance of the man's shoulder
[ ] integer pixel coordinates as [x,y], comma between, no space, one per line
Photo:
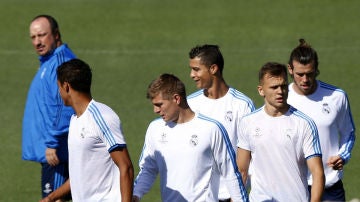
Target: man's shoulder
[60,55]
[65,52]
[331,88]
[101,111]
[196,94]
[256,114]
[240,96]
[208,122]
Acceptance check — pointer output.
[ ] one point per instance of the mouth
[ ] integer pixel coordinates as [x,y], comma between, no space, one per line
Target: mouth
[197,83]
[40,48]
[280,100]
[305,86]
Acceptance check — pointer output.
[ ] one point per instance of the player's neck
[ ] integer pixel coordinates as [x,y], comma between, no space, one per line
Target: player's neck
[299,91]
[276,111]
[217,90]
[185,115]
[80,104]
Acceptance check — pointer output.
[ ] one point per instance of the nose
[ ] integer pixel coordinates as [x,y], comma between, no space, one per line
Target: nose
[192,73]
[306,78]
[36,41]
[156,109]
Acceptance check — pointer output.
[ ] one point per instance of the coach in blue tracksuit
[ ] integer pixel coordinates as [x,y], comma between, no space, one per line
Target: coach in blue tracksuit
[46,119]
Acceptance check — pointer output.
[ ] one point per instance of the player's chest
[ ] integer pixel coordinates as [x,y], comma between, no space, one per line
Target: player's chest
[284,134]
[323,112]
[183,144]
[85,135]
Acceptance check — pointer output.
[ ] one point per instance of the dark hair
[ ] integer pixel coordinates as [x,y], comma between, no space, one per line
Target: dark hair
[53,23]
[209,55]
[304,54]
[77,73]
[273,69]
[167,85]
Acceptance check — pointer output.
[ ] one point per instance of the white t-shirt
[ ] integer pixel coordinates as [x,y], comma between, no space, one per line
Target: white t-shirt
[279,148]
[227,110]
[329,107]
[92,136]
[189,157]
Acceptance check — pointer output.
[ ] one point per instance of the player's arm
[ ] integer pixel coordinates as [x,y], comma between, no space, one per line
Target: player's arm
[225,159]
[59,193]
[243,158]
[122,160]
[317,171]
[346,127]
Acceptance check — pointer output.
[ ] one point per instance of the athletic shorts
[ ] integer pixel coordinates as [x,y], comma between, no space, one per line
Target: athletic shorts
[334,193]
[52,177]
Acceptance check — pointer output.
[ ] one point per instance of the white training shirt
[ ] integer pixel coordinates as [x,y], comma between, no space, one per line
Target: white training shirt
[92,136]
[279,148]
[227,110]
[329,107]
[190,157]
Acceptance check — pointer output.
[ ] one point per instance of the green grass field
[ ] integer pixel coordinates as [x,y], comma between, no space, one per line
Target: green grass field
[129,43]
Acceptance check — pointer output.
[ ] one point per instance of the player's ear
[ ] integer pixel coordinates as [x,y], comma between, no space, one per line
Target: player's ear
[67,86]
[290,69]
[177,99]
[213,68]
[261,91]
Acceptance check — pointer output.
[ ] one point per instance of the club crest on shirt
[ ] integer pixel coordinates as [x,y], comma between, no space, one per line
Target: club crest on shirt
[326,108]
[82,133]
[228,116]
[194,140]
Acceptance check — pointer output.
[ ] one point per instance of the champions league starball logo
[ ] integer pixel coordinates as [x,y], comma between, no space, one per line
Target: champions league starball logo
[163,138]
[257,132]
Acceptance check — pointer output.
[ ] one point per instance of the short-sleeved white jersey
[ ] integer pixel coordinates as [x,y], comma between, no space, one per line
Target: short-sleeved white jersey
[92,136]
[279,148]
[189,157]
[227,110]
[329,107]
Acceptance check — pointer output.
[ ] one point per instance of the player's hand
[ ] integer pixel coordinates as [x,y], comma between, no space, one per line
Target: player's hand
[335,162]
[135,199]
[51,157]
[46,199]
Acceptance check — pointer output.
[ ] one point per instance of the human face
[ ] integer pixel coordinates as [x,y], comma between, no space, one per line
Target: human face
[168,109]
[200,73]
[42,38]
[274,89]
[304,77]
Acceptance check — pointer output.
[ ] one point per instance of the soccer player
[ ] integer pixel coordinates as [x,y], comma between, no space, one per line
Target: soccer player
[215,98]
[281,143]
[188,150]
[46,119]
[329,107]
[99,164]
